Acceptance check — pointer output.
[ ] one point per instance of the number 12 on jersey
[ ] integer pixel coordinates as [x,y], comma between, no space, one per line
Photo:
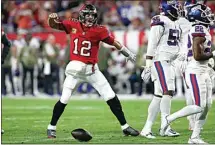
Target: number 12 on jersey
[84,50]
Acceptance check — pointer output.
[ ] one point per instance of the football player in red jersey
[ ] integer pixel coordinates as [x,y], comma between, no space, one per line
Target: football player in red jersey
[85,36]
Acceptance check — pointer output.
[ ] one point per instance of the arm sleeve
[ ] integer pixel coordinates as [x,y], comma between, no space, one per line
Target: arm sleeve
[67,25]
[104,33]
[109,40]
[155,35]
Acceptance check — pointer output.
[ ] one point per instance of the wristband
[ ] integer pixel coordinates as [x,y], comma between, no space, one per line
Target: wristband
[148,62]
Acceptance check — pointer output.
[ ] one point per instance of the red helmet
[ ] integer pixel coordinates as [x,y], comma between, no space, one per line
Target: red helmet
[88,15]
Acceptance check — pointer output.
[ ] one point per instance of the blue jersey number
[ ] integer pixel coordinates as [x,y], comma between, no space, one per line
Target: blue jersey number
[173,37]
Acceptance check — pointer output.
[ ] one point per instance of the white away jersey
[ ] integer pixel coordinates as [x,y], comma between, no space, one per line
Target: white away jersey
[168,44]
[185,26]
[199,30]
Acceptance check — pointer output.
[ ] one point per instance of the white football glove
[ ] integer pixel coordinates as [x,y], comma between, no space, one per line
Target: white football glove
[181,56]
[211,73]
[146,74]
[132,57]
[213,52]
[128,54]
[53,16]
[211,62]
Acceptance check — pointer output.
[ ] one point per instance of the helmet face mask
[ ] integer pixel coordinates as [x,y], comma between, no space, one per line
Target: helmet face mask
[88,15]
[201,14]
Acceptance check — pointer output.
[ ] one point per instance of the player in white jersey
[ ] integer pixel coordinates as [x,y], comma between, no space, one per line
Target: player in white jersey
[186,50]
[163,49]
[197,74]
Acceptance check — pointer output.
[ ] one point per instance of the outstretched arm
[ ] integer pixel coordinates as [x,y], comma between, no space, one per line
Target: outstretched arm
[124,50]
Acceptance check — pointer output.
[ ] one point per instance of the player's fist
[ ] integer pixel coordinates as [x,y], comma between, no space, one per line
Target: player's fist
[53,16]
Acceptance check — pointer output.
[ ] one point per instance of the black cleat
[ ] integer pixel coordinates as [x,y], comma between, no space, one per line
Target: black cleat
[51,133]
[2,131]
[130,131]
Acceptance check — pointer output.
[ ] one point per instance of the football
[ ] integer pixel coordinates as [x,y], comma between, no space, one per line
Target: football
[81,135]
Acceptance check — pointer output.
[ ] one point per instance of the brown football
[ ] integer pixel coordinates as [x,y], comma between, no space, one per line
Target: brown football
[81,135]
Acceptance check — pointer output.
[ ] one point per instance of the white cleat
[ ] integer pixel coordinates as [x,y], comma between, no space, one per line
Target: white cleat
[196,140]
[148,135]
[171,133]
[164,126]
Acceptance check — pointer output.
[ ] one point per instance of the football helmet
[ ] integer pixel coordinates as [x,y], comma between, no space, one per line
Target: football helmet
[88,15]
[171,7]
[201,14]
[189,3]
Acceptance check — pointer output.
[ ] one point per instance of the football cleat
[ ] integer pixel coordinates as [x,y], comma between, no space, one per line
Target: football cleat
[148,135]
[130,131]
[171,133]
[51,133]
[2,131]
[164,126]
[196,140]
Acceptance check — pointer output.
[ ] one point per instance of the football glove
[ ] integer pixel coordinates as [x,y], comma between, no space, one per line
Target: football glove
[146,74]
[181,57]
[132,58]
[128,54]
[53,16]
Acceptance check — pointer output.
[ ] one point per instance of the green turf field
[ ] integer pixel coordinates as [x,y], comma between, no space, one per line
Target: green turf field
[26,120]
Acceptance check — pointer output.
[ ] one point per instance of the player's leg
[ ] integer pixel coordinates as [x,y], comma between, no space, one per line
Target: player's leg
[100,83]
[178,82]
[153,111]
[69,85]
[189,101]
[166,76]
[205,101]
[197,86]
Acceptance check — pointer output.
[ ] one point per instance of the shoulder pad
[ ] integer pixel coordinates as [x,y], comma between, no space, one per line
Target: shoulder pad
[157,20]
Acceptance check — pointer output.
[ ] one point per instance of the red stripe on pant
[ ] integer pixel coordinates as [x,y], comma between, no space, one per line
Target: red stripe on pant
[161,75]
[195,89]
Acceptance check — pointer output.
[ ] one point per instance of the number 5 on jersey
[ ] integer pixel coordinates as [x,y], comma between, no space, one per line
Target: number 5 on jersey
[85,48]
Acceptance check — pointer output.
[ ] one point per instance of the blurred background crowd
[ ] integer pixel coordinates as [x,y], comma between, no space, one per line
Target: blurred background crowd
[39,54]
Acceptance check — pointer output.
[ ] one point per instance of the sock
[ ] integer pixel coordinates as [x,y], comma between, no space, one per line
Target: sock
[179,86]
[165,106]
[188,110]
[189,101]
[153,110]
[199,123]
[197,128]
[51,127]
[57,112]
[116,108]
[124,126]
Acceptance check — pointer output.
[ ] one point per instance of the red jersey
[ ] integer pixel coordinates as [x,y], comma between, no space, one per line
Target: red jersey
[84,45]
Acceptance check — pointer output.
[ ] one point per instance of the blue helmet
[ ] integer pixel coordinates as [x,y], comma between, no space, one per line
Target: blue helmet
[189,3]
[201,14]
[171,7]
